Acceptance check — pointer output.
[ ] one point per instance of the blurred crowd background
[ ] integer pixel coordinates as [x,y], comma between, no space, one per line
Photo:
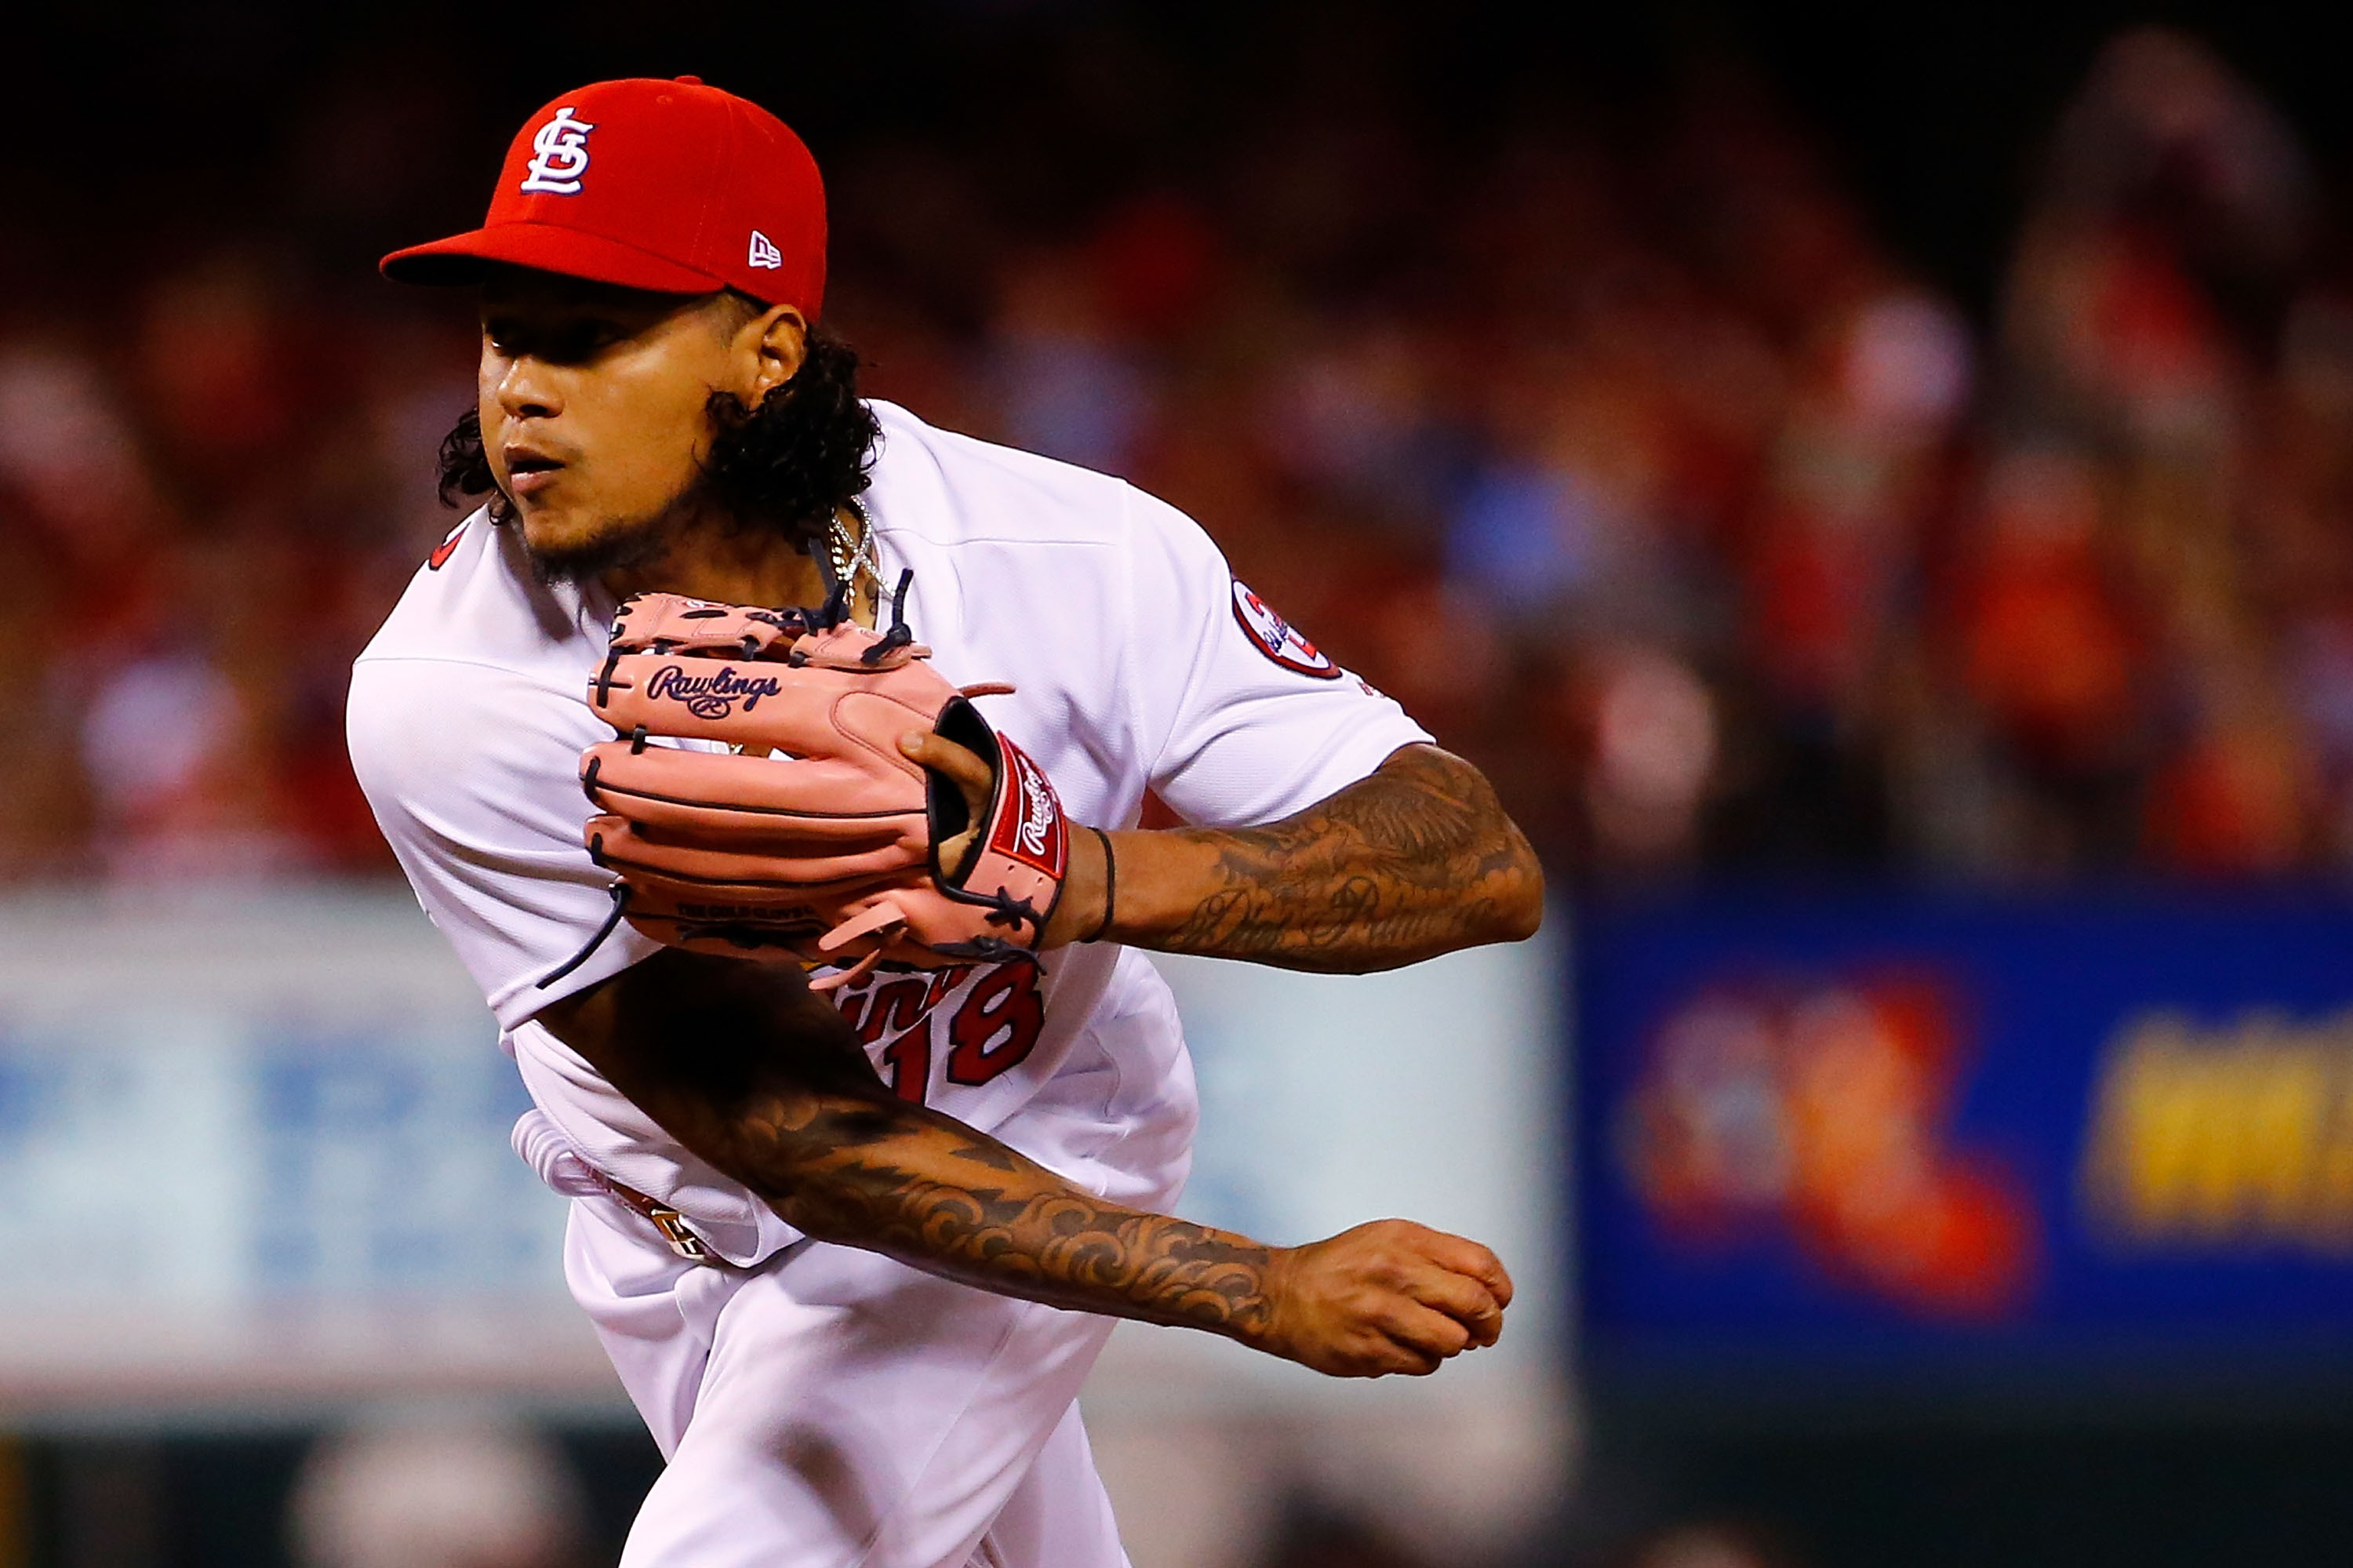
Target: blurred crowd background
[1761,448]
[1601,422]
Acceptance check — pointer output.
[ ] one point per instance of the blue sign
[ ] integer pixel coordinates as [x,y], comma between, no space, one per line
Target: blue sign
[1902,1134]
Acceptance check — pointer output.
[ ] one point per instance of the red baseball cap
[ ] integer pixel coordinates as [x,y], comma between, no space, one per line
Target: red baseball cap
[668,185]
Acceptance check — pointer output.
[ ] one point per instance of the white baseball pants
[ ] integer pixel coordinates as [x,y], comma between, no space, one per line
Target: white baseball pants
[829,1408]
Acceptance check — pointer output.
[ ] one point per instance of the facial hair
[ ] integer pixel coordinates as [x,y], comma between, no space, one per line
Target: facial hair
[619,545]
[633,543]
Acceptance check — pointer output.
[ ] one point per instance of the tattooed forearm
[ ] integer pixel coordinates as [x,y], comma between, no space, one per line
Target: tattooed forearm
[741,1066]
[932,1194]
[1416,860]
[767,1084]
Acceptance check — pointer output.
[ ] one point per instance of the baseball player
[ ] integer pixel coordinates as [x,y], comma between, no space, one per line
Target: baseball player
[830,1211]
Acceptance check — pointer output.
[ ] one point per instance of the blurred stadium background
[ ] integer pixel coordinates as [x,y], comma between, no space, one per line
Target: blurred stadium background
[1885,479]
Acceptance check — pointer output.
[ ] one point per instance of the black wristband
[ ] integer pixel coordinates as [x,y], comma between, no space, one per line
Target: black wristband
[1111,882]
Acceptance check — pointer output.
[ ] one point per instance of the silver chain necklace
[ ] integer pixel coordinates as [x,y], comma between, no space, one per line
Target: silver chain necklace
[849,562]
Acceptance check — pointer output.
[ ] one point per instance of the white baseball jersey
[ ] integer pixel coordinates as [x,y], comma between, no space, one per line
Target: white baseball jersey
[1138,663]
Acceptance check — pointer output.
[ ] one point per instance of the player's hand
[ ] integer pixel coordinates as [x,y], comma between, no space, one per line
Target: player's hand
[1081,908]
[1388,1296]
[974,778]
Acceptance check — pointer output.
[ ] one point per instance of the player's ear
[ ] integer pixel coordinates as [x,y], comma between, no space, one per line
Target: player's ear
[777,341]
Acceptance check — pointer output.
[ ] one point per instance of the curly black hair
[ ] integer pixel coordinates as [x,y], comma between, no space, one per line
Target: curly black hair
[807,450]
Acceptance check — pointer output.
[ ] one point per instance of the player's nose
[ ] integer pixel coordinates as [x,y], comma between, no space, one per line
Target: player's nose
[527,391]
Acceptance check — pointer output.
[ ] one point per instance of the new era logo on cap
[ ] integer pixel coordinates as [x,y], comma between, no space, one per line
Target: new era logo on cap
[693,190]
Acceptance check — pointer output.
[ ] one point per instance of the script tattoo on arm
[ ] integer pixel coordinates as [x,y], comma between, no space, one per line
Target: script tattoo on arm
[743,1066]
[1416,860]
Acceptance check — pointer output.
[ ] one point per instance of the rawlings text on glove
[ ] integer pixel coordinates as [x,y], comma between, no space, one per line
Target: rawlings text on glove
[811,837]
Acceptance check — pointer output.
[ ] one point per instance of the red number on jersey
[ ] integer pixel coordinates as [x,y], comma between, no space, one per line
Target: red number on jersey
[902,1008]
[898,1007]
[997,1026]
[909,1057]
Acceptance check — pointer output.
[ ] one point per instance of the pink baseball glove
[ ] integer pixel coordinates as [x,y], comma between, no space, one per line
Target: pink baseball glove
[812,838]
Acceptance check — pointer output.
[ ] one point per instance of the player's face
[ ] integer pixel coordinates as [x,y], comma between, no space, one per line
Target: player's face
[594,402]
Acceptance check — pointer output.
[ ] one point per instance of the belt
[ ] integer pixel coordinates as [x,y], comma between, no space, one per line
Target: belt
[667,1220]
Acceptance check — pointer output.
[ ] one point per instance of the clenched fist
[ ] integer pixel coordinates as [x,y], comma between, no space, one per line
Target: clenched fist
[1388,1296]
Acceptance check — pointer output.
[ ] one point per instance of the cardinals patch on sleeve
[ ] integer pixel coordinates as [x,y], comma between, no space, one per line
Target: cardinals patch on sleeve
[1278,639]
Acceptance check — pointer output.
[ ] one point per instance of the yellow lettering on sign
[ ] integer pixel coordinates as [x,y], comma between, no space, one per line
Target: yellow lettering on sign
[2232,1138]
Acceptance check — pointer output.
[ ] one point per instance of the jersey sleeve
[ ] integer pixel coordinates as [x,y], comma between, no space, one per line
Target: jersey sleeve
[472,773]
[1246,720]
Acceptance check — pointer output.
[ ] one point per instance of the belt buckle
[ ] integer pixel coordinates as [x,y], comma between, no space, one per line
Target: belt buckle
[683,1242]
[663,1218]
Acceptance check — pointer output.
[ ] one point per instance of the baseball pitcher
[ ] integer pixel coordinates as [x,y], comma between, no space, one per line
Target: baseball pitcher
[775,762]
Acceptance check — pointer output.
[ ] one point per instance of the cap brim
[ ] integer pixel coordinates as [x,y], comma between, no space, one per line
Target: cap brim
[545,246]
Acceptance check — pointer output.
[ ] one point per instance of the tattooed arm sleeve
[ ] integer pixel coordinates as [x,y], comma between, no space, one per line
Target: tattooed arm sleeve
[741,1064]
[1416,860]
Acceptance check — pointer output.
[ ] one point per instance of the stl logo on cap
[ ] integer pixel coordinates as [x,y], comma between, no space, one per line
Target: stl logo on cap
[692,190]
[561,156]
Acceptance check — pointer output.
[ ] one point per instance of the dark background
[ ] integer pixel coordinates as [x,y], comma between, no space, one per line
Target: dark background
[138,138]
[134,123]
